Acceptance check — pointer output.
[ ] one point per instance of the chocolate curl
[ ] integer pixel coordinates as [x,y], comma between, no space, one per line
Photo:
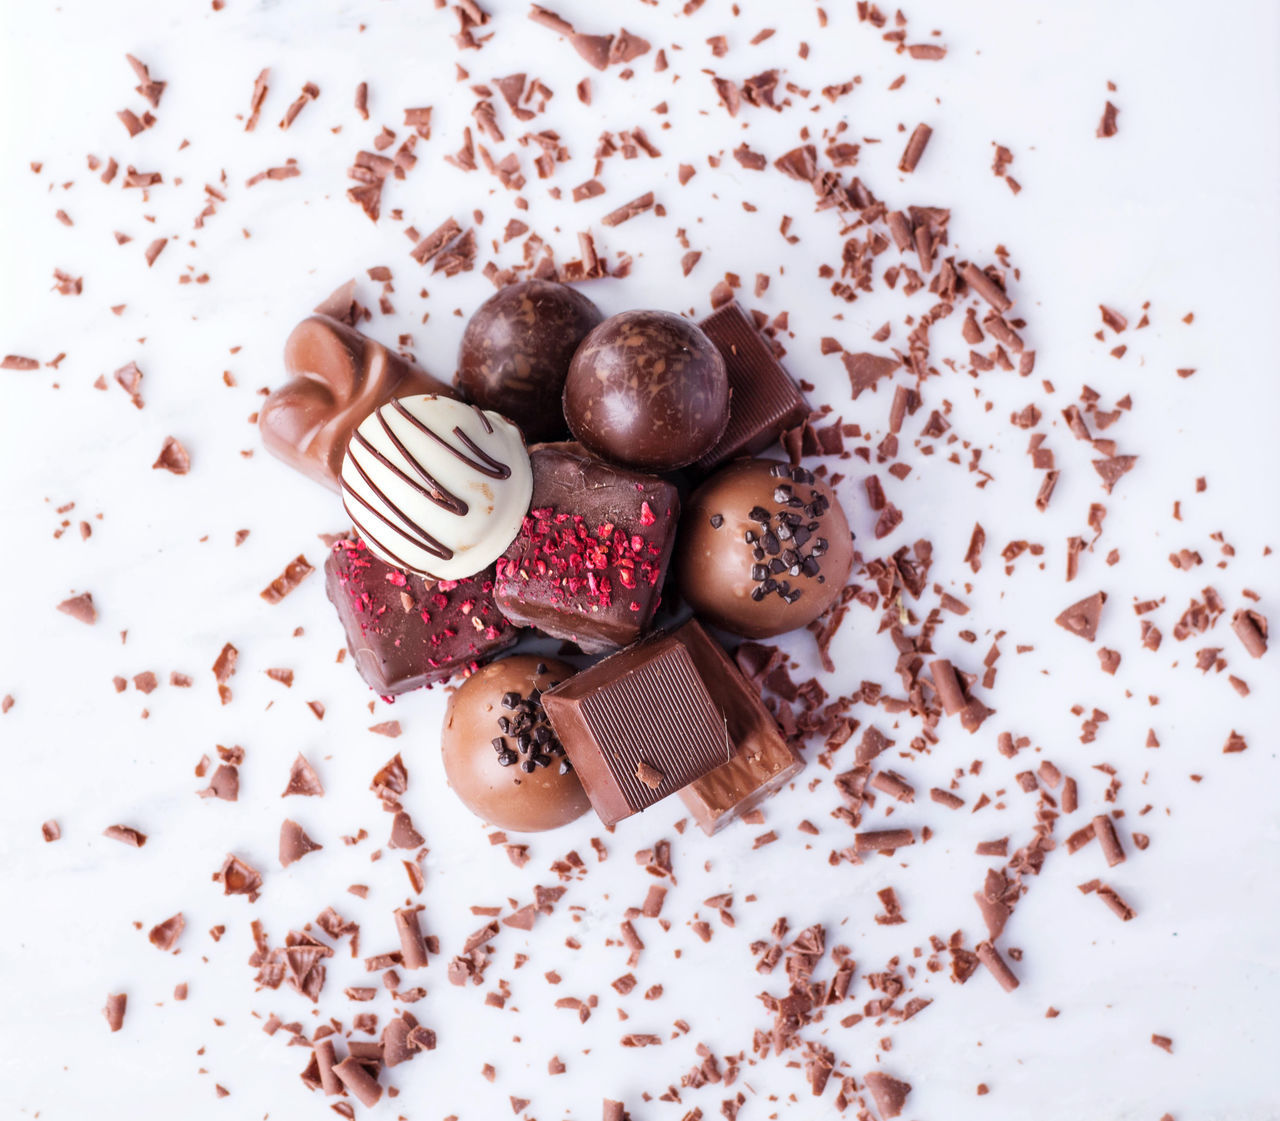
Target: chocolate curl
[884,840]
[357,1079]
[114,1010]
[990,957]
[947,684]
[1251,630]
[413,947]
[325,1061]
[1107,838]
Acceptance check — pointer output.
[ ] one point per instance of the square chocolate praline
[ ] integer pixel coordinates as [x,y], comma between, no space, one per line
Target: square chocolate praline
[638,726]
[405,632]
[592,553]
[764,400]
[763,761]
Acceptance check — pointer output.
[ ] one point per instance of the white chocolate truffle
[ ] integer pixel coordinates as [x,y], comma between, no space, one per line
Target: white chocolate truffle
[436,486]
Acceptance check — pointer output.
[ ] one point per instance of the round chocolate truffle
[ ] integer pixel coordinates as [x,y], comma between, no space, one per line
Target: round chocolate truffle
[500,754]
[647,389]
[516,352]
[763,548]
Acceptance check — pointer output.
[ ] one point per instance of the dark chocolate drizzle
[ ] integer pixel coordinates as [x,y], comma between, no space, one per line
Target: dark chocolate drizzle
[417,534]
[485,464]
[441,495]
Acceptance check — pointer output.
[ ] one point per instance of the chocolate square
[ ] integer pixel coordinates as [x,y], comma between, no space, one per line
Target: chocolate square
[763,761]
[405,632]
[591,556]
[763,400]
[638,726]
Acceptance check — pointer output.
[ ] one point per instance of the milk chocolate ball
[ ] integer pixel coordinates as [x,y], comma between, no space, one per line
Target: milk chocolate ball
[516,351]
[500,754]
[647,389]
[763,548]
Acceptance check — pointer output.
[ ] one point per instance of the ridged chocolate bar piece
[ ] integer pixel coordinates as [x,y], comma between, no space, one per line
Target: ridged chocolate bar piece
[404,632]
[763,400]
[638,726]
[763,762]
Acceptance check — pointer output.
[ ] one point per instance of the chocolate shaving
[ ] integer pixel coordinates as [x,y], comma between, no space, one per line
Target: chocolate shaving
[629,210]
[865,370]
[294,843]
[990,957]
[165,935]
[294,573]
[238,878]
[303,780]
[1082,618]
[916,145]
[126,835]
[80,608]
[115,1009]
[1107,125]
[173,457]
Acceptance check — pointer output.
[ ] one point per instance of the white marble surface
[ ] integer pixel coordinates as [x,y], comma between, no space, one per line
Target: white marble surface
[1179,209]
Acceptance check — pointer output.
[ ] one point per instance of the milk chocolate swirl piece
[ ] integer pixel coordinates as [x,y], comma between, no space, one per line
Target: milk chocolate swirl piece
[440,507]
[339,376]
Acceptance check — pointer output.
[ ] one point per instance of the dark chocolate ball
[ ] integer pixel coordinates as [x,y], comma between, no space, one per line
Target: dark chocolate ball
[516,352]
[500,754]
[763,548]
[647,389]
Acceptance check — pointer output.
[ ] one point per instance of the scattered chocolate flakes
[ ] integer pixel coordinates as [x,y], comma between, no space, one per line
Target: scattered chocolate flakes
[303,780]
[1250,628]
[294,573]
[1082,618]
[18,362]
[989,956]
[629,210]
[164,936]
[649,775]
[115,1009]
[294,843]
[1105,831]
[1107,126]
[51,831]
[889,1093]
[224,785]
[238,878]
[1235,744]
[126,835]
[80,608]
[173,457]
[916,145]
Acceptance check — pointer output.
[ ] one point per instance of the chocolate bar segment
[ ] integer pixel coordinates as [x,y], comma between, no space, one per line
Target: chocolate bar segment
[763,400]
[638,726]
[591,556]
[763,762]
[405,632]
[338,377]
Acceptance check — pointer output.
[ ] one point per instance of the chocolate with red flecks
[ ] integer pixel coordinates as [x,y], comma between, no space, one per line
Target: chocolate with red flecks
[405,632]
[591,556]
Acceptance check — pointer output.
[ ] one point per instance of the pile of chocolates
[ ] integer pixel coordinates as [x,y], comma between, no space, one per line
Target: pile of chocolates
[541,493]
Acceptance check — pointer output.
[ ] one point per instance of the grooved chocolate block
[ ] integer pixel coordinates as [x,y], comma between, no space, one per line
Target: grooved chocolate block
[763,762]
[638,726]
[404,632]
[591,555]
[763,400]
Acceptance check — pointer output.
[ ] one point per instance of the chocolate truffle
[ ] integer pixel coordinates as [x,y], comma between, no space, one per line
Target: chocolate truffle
[764,548]
[338,377]
[589,560]
[404,632]
[649,390]
[516,351]
[436,487]
[501,756]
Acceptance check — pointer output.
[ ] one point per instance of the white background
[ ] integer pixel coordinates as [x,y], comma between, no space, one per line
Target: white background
[1179,210]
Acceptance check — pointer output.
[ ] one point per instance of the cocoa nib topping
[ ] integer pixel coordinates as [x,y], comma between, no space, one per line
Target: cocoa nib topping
[526,738]
[784,542]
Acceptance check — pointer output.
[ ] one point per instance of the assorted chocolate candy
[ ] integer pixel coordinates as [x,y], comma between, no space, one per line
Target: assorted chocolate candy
[337,378]
[502,757]
[516,351]
[470,527]
[435,486]
[589,561]
[764,548]
[647,389]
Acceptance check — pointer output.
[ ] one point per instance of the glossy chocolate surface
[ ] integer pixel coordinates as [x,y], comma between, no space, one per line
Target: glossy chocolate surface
[764,401]
[590,559]
[638,726]
[404,632]
[338,377]
[501,756]
[764,548]
[649,390]
[763,762]
[516,351]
